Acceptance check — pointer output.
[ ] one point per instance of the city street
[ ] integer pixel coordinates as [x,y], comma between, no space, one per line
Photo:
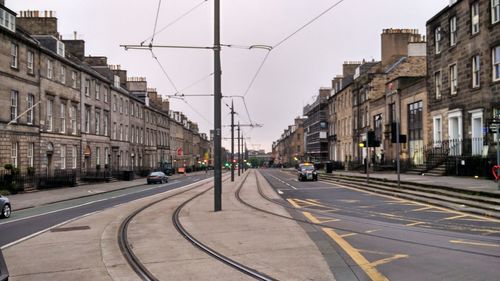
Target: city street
[385,237]
[27,222]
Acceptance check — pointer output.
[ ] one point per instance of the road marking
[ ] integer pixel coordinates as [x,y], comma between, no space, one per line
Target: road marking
[348,234]
[89,214]
[455,217]
[474,243]
[291,201]
[415,223]
[372,230]
[363,263]
[317,219]
[349,201]
[283,182]
[87,203]
[387,260]
[421,209]
[443,209]
[279,191]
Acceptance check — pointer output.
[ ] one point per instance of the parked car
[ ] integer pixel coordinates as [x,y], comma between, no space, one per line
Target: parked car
[5,208]
[157,177]
[307,172]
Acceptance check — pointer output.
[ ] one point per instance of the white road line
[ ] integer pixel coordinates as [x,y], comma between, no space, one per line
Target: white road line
[83,216]
[280,192]
[87,203]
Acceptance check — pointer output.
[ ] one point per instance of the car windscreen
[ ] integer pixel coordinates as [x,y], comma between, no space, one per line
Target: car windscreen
[307,168]
[156,174]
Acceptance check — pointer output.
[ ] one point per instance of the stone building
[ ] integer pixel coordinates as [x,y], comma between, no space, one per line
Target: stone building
[340,116]
[289,149]
[463,84]
[60,102]
[316,128]
[65,112]
[19,95]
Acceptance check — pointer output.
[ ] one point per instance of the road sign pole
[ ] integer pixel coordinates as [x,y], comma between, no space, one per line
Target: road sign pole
[232,141]
[498,152]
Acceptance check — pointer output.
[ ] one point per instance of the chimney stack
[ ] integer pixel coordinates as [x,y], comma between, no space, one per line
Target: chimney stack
[38,22]
[395,43]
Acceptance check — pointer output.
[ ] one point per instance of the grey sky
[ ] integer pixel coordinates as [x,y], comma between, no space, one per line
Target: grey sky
[289,79]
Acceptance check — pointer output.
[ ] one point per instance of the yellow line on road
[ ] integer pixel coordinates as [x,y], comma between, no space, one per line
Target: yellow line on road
[445,210]
[292,202]
[474,243]
[386,260]
[311,217]
[422,209]
[367,267]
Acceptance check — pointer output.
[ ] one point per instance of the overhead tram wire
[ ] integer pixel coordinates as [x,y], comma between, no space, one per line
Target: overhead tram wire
[286,39]
[164,71]
[156,22]
[175,21]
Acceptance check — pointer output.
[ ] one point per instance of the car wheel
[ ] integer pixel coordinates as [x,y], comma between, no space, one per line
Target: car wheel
[6,211]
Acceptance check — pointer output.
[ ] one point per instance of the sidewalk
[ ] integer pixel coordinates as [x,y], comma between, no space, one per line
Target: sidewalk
[464,183]
[277,247]
[43,197]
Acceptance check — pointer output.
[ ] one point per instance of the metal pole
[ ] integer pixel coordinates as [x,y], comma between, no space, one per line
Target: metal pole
[398,149]
[239,157]
[217,111]
[498,151]
[232,141]
[367,161]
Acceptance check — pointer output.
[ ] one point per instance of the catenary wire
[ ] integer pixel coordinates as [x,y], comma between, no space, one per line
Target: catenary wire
[164,71]
[175,20]
[286,39]
[156,22]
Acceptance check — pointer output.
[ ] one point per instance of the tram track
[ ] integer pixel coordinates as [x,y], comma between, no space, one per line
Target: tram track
[142,271]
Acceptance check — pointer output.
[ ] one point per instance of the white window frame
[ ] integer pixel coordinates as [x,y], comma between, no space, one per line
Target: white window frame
[474,17]
[114,130]
[73,78]
[106,152]
[63,118]
[74,155]
[121,106]
[105,94]
[453,77]
[438,85]
[98,156]
[437,130]
[126,132]
[87,87]
[63,157]
[114,102]
[105,123]
[476,71]
[14,55]
[63,75]
[495,11]
[30,114]
[97,122]
[87,119]
[495,61]
[30,153]
[453,31]
[30,62]
[50,69]
[14,153]
[97,91]
[14,105]
[50,116]
[437,39]
[73,118]
[121,132]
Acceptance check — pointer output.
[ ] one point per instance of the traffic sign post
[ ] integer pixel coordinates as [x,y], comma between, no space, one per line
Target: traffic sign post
[494,127]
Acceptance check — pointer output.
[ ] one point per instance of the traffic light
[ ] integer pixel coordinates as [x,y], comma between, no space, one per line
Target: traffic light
[372,142]
[402,138]
[362,144]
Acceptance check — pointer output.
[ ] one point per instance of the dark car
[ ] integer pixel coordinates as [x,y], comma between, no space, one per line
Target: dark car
[5,208]
[157,177]
[307,172]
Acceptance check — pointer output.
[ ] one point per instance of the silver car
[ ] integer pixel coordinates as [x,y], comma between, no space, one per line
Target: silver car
[5,208]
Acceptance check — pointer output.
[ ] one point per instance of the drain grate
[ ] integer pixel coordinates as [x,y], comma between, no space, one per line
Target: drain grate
[73,228]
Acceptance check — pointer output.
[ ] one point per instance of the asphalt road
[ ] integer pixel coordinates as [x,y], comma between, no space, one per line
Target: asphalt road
[25,223]
[377,237]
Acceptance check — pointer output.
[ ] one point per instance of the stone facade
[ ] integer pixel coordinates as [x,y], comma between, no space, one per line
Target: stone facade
[74,102]
[463,85]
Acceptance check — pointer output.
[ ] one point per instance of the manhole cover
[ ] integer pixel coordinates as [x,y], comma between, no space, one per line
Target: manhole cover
[73,228]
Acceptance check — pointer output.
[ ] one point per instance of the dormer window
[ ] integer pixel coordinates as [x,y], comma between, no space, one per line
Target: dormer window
[7,20]
[60,48]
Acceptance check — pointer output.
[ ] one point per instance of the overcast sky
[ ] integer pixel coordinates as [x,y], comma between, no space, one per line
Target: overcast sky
[291,75]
